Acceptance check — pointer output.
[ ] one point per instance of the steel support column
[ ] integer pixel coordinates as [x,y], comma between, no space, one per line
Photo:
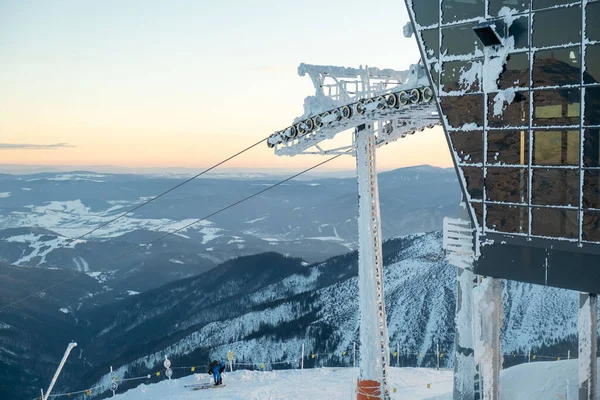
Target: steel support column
[487,321]
[374,347]
[458,244]
[588,346]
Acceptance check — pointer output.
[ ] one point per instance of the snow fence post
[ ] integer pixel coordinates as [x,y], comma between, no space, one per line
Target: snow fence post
[354,356]
[397,354]
[60,367]
[437,354]
[302,359]
[529,355]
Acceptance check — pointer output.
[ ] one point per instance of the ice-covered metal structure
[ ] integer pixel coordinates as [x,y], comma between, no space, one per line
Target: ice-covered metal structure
[517,86]
[379,106]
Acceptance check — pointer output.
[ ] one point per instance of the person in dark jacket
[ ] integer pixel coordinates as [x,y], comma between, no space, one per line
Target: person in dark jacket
[216,368]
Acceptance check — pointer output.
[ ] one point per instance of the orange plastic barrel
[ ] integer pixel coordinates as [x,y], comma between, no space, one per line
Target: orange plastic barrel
[368,390]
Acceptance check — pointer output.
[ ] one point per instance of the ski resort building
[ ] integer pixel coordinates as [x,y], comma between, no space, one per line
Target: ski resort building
[516,85]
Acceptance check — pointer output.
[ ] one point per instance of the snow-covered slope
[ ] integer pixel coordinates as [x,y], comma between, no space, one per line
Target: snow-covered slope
[539,380]
[315,384]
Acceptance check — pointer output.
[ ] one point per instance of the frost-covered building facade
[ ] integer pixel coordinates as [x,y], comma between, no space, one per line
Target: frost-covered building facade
[517,83]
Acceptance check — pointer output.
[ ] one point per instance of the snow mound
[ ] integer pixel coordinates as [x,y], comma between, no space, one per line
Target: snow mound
[314,384]
[538,380]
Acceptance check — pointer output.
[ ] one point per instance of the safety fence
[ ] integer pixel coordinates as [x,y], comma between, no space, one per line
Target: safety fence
[347,358]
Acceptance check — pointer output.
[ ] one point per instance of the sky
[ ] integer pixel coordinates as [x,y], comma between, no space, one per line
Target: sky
[184,83]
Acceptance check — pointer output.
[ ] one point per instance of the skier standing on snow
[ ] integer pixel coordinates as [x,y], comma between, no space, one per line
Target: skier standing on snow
[216,368]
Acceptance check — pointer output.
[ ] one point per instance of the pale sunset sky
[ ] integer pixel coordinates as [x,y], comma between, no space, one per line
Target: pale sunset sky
[184,83]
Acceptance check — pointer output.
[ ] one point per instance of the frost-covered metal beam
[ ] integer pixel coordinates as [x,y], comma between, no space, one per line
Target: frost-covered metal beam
[487,321]
[588,346]
[374,348]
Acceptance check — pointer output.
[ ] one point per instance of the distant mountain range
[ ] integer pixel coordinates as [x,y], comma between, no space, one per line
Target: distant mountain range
[313,220]
[263,307]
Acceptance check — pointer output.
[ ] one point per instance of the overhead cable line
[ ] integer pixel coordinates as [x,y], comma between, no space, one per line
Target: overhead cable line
[182,228]
[167,191]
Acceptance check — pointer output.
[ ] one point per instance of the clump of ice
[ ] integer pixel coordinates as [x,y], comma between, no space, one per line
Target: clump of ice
[503,96]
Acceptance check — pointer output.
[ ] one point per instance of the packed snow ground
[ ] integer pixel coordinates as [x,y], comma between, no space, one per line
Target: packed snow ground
[538,380]
[314,384]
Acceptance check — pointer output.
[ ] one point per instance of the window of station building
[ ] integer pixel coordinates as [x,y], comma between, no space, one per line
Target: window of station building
[516,73]
[591,189]
[474,181]
[520,31]
[510,219]
[507,185]
[591,148]
[461,76]
[427,12]
[461,110]
[501,113]
[556,107]
[547,25]
[478,208]
[591,226]
[592,16]
[592,64]
[592,106]
[495,6]
[556,147]
[468,146]
[508,147]
[555,187]
[460,40]
[557,67]
[457,10]
[431,41]
[554,222]
[537,4]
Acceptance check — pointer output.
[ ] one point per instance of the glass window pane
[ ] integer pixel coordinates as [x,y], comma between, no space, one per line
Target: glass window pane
[508,147]
[461,110]
[556,147]
[520,31]
[592,64]
[461,76]
[516,73]
[457,10]
[459,40]
[591,148]
[554,222]
[592,106]
[591,226]
[591,189]
[592,16]
[546,27]
[468,146]
[501,113]
[474,180]
[537,4]
[478,208]
[510,219]
[556,107]
[506,184]
[427,12]
[495,6]
[431,41]
[555,187]
[557,67]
